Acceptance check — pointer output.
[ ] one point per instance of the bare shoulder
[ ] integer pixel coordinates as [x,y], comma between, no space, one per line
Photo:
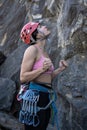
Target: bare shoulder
[30,51]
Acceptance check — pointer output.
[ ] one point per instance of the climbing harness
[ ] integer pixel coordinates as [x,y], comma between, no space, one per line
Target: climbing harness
[22,90]
[29,112]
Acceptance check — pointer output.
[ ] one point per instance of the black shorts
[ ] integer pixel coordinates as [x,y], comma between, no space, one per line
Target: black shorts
[44,115]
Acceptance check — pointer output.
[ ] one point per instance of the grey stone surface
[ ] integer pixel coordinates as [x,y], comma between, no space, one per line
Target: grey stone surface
[7,92]
[67,20]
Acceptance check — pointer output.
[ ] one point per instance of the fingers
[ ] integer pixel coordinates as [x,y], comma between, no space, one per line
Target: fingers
[46,64]
[63,63]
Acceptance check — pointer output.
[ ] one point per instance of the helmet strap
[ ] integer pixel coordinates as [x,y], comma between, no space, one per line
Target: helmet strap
[32,39]
[39,39]
[43,35]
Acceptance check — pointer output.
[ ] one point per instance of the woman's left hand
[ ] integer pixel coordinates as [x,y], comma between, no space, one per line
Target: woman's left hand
[63,65]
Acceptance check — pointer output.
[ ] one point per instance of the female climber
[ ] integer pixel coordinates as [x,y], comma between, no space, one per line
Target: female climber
[37,71]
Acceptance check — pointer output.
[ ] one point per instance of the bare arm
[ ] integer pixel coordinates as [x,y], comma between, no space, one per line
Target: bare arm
[62,66]
[57,71]
[27,74]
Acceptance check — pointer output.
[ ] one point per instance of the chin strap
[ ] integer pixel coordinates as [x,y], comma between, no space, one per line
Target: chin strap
[33,41]
[39,39]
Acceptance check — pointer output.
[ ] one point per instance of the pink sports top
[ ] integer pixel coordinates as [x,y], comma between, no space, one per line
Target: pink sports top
[39,63]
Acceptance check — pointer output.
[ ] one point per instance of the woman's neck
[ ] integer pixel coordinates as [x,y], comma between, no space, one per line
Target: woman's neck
[41,45]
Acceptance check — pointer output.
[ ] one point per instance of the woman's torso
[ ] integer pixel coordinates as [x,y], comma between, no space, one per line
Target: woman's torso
[46,76]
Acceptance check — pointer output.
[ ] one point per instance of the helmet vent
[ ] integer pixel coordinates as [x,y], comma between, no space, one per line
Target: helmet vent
[25,30]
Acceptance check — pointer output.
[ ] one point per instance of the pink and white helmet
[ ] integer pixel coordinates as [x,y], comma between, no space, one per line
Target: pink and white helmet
[27,31]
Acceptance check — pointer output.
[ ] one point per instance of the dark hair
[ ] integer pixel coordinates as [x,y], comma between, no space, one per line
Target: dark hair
[34,34]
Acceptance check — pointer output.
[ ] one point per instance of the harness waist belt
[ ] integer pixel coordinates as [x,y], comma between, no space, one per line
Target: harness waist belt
[40,87]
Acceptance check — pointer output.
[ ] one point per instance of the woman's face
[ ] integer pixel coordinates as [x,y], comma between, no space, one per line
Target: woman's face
[43,30]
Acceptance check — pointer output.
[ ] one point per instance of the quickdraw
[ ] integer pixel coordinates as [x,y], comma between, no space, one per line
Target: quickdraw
[28,113]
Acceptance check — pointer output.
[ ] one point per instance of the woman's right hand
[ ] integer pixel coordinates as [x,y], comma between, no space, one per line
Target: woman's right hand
[47,64]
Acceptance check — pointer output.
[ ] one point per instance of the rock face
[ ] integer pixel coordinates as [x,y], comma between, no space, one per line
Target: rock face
[67,21]
[7,91]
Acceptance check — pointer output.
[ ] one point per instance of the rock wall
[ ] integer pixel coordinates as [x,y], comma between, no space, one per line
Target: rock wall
[67,21]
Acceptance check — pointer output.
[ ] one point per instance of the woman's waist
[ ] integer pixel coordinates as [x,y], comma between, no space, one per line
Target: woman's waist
[47,85]
[44,78]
